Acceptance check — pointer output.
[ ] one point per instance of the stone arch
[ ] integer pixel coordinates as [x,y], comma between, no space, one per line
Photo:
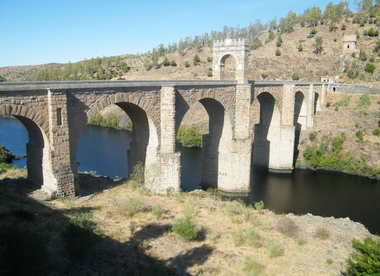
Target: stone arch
[228,67]
[146,126]
[266,130]
[38,161]
[238,48]
[226,100]
[33,114]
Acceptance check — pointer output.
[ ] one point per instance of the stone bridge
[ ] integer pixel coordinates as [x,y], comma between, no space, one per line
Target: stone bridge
[56,113]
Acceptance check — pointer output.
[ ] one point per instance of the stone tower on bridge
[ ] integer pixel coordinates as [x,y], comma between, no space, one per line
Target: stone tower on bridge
[237,48]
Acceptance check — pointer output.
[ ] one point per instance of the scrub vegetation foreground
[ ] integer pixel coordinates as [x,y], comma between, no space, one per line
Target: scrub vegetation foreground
[118,228]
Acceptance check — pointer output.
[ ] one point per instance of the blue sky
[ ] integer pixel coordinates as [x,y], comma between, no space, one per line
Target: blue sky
[44,31]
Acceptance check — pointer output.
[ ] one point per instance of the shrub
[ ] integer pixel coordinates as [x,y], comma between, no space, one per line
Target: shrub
[264,76]
[360,135]
[287,227]
[300,47]
[187,64]
[370,68]
[174,63]
[300,241]
[376,131]
[343,28]
[196,60]
[186,228]
[278,52]
[313,31]
[364,101]
[322,233]
[312,136]
[352,74]
[251,267]
[295,76]
[362,55]
[253,238]
[189,136]
[238,237]
[337,143]
[275,249]
[344,101]
[259,206]
[166,62]
[209,73]
[209,59]
[137,174]
[238,211]
[365,259]
[158,210]
[134,205]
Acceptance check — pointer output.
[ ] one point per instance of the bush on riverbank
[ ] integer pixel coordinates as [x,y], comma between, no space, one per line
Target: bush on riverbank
[365,260]
[5,155]
[329,154]
[189,136]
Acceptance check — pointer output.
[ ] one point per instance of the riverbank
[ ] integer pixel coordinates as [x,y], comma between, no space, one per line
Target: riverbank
[131,232]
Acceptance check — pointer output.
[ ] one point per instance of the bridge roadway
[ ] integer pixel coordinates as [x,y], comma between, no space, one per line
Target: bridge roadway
[56,113]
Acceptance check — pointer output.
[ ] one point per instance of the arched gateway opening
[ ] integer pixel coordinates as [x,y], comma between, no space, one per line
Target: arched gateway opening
[35,147]
[136,146]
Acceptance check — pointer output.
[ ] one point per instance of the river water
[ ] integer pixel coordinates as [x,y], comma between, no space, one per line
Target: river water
[317,192]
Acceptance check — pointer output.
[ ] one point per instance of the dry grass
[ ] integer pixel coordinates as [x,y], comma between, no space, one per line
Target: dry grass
[145,240]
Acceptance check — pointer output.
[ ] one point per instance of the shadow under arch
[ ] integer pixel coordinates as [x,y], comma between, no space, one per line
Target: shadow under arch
[144,146]
[228,65]
[38,167]
[299,120]
[215,144]
[265,130]
[317,104]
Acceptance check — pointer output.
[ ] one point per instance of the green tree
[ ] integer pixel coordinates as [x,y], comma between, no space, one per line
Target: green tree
[187,63]
[173,63]
[365,259]
[271,36]
[318,45]
[362,55]
[166,62]
[287,24]
[370,68]
[363,5]
[295,76]
[189,136]
[279,41]
[196,60]
[314,16]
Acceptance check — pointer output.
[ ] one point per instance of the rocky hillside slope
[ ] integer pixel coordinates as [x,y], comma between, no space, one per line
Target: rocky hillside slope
[262,61]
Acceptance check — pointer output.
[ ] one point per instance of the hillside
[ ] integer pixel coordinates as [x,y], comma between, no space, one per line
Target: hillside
[262,61]
[124,230]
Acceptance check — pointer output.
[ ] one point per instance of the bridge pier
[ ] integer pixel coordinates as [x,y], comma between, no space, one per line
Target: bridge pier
[163,172]
[58,178]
